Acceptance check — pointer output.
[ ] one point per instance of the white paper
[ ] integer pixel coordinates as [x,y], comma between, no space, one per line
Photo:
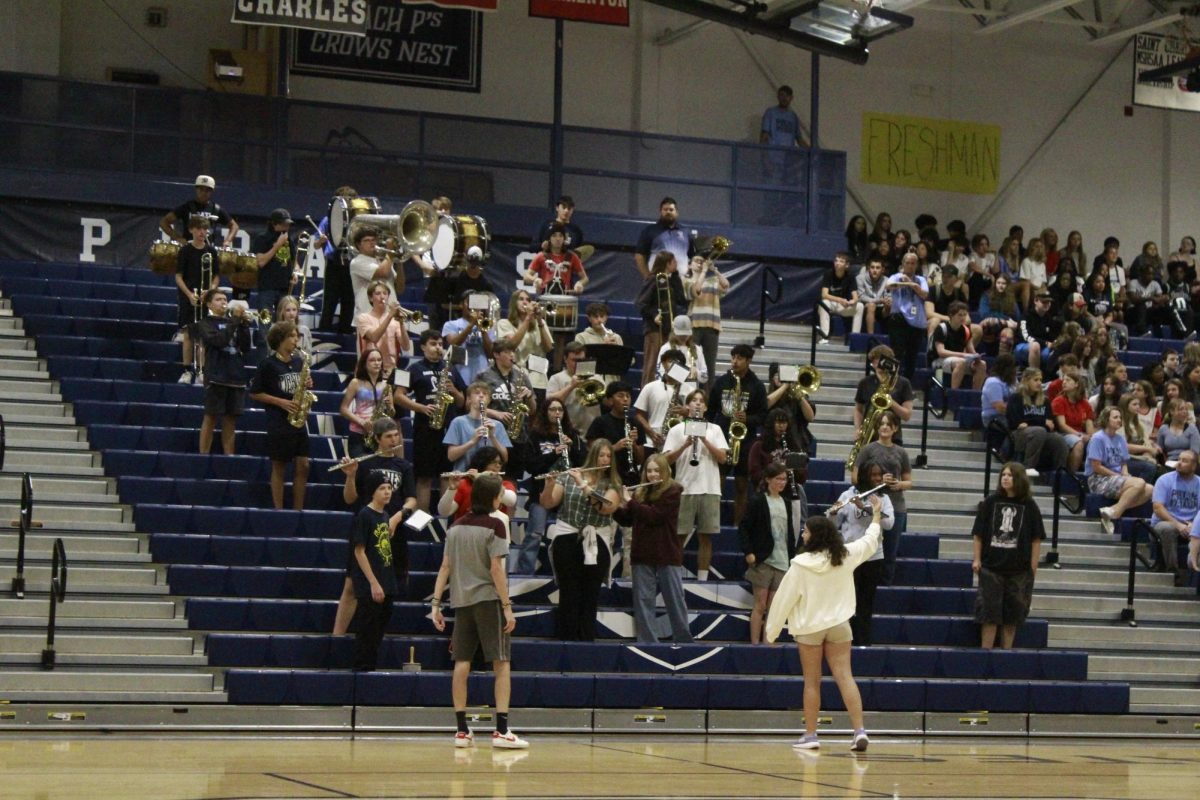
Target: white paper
[585,368]
[401,378]
[538,380]
[789,373]
[478,301]
[418,520]
[678,373]
[537,364]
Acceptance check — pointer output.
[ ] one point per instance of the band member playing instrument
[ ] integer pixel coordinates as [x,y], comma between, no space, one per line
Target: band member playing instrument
[775,443]
[801,411]
[581,539]
[617,427]
[365,399]
[902,391]
[456,496]
[557,270]
[339,291]
[597,331]
[510,389]
[525,328]
[397,473]
[564,209]
[705,288]
[659,399]
[188,278]
[274,386]
[681,340]
[564,386]
[173,222]
[553,444]
[474,430]
[226,342]
[662,285]
[725,406]
[381,327]
[288,310]
[657,555]
[897,475]
[275,252]
[428,376]
[367,266]
[465,332]
[852,520]
[697,461]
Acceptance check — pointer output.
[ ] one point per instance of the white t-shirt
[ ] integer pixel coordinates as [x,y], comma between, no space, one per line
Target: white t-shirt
[654,400]
[1034,272]
[582,416]
[705,477]
[362,272]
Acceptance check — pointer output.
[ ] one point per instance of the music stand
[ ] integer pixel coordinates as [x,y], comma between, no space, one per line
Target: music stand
[611,359]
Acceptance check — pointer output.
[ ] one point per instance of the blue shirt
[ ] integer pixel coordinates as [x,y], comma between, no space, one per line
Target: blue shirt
[907,302]
[781,125]
[477,360]
[1180,497]
[656,238]
[460,432]
[1111,451]
[994,391]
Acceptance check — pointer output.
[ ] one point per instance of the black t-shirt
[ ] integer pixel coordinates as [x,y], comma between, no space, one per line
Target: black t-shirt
[399,473]
[371,532]
[902,392]
[540,458]
[942,299]
[464,282]
[1041,328]
[1019,411]
[842,287]
[606,426]
[189,264]
[423,384]
[277,274]
[278,379]
[1007,528]
[226,343]
[211,211]
[648,303]
[574,236]
[953,340]
[720,402]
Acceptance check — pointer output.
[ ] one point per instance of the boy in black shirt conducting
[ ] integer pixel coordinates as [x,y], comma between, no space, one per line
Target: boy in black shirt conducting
[191,272]
[275,385]
[371,570]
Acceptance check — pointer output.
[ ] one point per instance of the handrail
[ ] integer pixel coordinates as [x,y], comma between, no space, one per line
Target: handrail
[1127,613]
[24,521]
[922,459]
[1061,501]
[760,341]
[3,441]
[58,593]
[990,452]
[816,331]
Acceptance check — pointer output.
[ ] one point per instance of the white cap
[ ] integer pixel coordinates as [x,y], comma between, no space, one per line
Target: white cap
[475,253]
[682,326]
[206,181]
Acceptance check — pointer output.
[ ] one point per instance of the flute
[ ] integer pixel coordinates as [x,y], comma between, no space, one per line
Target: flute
[391,451]
[558,472]
[833,509]
[468,474]
[642,485]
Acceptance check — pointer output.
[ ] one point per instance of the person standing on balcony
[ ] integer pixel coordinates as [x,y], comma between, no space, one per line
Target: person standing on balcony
[780,125]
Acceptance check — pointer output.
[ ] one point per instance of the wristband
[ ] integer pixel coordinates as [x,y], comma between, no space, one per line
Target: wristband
[436,604]
[506,605]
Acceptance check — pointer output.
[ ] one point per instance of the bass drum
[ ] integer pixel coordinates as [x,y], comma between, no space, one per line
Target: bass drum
[455,235]
[343,210]
[163,257]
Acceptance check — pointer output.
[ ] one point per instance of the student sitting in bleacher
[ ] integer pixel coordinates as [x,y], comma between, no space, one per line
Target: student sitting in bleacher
[997,390]
[1176,507]
[1143,452]
[950,349]
[1107,471]
[1032,425]
[1073,416]
[1177,433]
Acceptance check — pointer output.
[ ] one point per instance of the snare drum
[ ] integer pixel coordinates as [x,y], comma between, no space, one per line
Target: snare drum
[244,272]
[564,314]
[343,210]
[455,235]
[227,259]
[163,257]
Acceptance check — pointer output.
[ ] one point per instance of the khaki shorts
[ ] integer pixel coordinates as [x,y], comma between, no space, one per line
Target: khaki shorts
[699,511]
[481,625]
[834,635]
[764,576]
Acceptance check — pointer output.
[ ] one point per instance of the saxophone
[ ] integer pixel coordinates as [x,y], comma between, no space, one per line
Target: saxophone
[519,410]
[880,402]
[302,397]
[737,430]
[666,312]
[671,420]
[443,399]
[383,408]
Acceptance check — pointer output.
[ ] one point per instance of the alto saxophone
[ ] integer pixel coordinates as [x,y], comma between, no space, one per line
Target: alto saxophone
[441,402]
[737,429]
[519,410]
[383,408]
[671,420]
[302,397]
[880,402]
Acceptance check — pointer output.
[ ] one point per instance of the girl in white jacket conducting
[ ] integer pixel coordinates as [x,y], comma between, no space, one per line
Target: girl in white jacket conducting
[816,601]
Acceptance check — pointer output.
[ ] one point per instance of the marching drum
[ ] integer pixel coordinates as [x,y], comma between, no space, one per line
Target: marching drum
[455,235]
[562,312]
[343,210]
[240,268]
[163,257]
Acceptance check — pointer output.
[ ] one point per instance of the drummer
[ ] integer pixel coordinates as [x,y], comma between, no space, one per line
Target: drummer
[173,222]
[189,282]
[275,251]
[557,271]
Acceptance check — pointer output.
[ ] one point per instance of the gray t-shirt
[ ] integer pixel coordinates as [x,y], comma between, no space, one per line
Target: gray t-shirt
[471,544]
[894,460]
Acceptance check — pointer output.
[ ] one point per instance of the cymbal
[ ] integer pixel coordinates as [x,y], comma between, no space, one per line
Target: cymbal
[585,251]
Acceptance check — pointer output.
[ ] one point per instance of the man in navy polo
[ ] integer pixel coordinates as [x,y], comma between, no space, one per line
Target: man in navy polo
[663,235]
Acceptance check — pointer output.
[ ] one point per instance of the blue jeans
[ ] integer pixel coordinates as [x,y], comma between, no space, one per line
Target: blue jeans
[891,544]
[524,562]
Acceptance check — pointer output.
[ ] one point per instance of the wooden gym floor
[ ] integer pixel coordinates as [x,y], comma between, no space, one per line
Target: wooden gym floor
[610,767]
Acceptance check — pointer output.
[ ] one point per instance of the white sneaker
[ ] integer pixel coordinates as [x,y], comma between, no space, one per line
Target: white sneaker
[808,741]
[1031,472]
[860,742]
[1106,520]
[508,741]
[186,377]
[464,739]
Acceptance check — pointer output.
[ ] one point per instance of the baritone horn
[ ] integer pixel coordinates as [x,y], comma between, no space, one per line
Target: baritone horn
[808,381]
[412,228]
[590,392]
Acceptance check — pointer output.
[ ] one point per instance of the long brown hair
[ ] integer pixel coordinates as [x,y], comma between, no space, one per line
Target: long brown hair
[1020,480]
[611,476]
[652,494]
[823,536]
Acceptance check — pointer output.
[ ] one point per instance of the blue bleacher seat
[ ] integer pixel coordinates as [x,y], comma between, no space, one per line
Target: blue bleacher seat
[257,687]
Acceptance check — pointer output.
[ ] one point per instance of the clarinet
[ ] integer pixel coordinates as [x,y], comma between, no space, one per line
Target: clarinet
[791,475]
[563,459]
[484,440]
[632,469]
[695,460]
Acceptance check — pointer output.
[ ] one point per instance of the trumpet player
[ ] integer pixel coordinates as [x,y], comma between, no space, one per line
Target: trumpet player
[421,397]
[698,461]
[275,251]
[382,327]
[525,327]
[475,429]
[226,343]
[367,266]
[725,406]
[190,281]
[467,333]
[274,386]
[705,288]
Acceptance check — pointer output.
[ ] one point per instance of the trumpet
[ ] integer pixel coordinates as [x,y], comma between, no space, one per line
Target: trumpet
[262,316]
[401,313]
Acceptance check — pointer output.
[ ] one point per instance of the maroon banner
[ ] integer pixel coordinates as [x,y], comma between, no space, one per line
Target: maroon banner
[605,12]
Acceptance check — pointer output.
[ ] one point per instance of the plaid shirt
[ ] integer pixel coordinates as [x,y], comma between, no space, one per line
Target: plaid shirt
[576,510]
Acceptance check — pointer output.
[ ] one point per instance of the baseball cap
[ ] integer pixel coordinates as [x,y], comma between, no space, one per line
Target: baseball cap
[475,254]
[281,215]
[682,326]
[206,181]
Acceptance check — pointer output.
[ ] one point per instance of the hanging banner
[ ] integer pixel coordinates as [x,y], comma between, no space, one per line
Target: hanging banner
[605,12]
[1153,50]
[338,16]
[923,153]
[422,45]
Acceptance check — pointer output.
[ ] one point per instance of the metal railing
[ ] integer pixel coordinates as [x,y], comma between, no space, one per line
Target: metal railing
[1064,501]
[922,459]
[816,332]
[24,523]
[994,437]
[58,593]
[765,297]
[1128,615]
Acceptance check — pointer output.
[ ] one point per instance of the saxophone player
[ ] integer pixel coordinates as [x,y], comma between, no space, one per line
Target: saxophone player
[421,397]
[513,401]
[660,399]
[725,406]
[275,385]
[901,394]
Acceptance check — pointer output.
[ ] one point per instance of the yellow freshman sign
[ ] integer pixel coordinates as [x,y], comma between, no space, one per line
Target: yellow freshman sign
[924,153]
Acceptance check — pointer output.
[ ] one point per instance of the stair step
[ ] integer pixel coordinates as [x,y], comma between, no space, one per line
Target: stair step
[82,575]
[79,645]
[48,490]
[59,436]
[78,545]
[1123,637]
[19,682]
[119,610]
[1099,608]
[84,516]
[83,463]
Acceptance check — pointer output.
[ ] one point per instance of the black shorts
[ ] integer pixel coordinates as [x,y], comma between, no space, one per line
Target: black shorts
[284,444]
[429,454]
[224,401]
[187,314]
[1003,599]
